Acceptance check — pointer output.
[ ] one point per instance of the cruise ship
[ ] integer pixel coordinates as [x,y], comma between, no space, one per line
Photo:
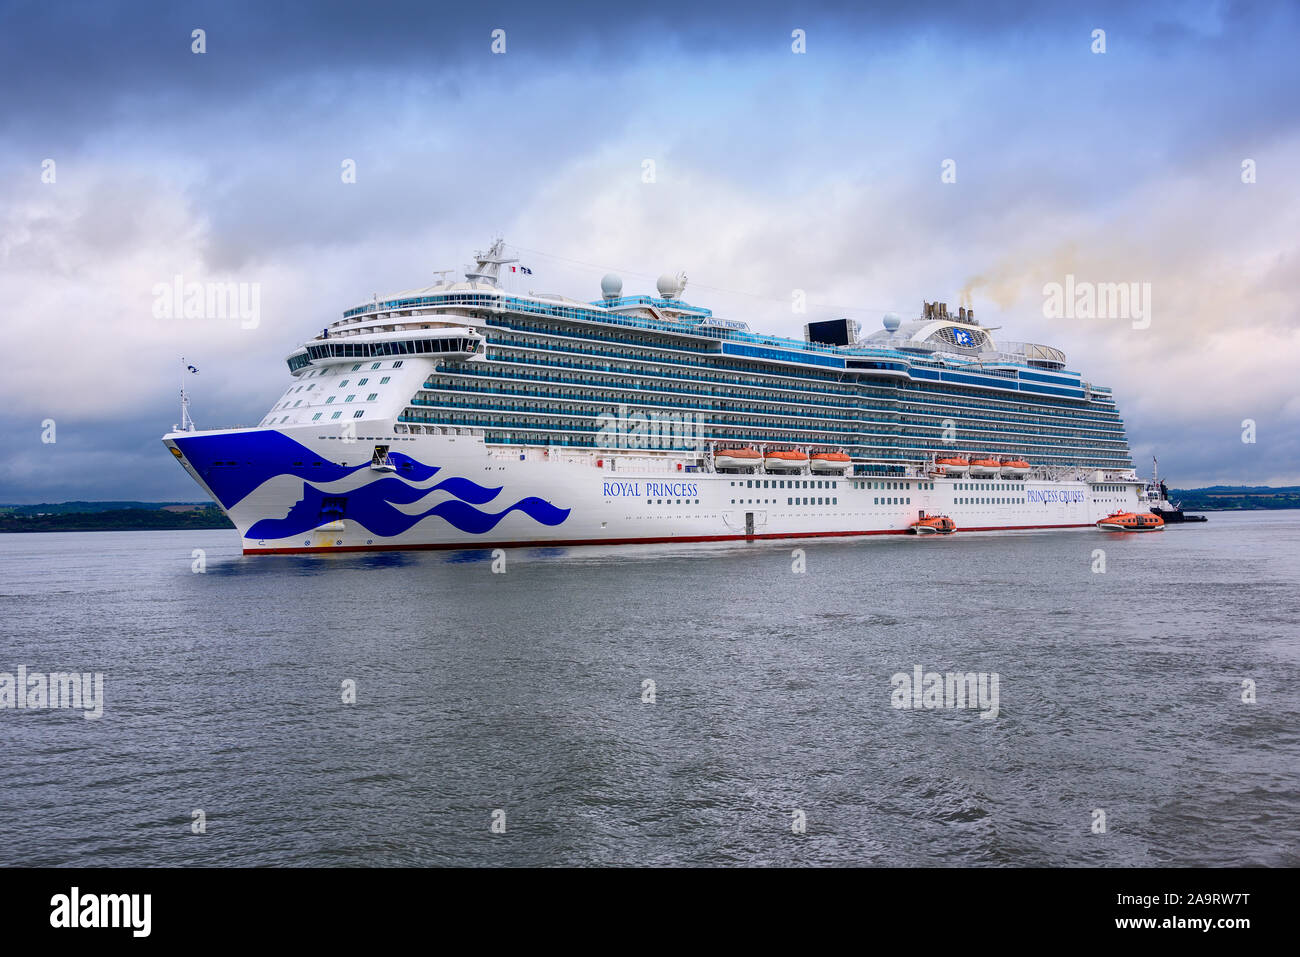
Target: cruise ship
[464,414]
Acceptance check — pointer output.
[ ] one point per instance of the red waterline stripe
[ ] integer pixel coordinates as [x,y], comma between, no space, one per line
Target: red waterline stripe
[570,543]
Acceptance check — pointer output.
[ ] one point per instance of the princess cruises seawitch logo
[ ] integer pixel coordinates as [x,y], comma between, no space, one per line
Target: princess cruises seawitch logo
[620,429]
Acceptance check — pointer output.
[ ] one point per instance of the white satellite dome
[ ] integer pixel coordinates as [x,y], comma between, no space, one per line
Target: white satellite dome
[611,287]
[670,286]
[892,321]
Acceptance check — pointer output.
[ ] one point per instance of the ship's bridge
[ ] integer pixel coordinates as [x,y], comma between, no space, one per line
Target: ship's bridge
[448,343]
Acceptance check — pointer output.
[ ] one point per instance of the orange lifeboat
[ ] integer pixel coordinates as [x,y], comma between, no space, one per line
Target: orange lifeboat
[785,461]
[830,461]
[1131,522]
[1015,468]
[953,466]
[933,525]
[984,468]
[739,458]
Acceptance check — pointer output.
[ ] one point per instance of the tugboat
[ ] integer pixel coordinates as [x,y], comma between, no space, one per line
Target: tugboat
[1131,522]
[933,525]
[1157,498]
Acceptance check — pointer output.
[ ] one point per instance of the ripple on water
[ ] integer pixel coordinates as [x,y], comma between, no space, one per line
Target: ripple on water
[528,692]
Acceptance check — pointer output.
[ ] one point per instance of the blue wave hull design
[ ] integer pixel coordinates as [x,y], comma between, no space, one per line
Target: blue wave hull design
[372,506]
[234,465]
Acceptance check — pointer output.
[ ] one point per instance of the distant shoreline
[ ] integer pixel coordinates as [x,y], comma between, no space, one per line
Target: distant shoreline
[1235,499]
[1248,508]
[211,518]
[148,519]
[168,516]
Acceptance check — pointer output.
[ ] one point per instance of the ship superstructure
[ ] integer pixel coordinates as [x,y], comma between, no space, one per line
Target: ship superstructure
[463,414]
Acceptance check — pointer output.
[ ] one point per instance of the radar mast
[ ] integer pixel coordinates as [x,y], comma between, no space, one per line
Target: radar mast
[487,268]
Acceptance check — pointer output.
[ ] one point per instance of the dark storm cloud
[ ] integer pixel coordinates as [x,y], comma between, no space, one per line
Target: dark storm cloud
[74,67]
[126,463]
[776,172]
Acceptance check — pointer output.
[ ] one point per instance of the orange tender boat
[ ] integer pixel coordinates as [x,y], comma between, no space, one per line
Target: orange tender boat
[984,467]
[736,458]
[933,525]
[830,461]
[1131,522]
[953,466]
[786,461]
[1015,468]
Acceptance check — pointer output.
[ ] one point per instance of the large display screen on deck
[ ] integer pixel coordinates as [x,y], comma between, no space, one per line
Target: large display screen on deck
[832,332]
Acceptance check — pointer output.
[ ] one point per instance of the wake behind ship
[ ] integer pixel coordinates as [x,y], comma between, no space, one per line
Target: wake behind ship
[462,415]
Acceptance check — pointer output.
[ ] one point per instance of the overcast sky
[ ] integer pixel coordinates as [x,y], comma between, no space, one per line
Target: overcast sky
[774,171]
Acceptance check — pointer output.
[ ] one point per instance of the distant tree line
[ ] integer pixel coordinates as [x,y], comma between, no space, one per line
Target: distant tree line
[59,508]
[1230,498]
[115,520]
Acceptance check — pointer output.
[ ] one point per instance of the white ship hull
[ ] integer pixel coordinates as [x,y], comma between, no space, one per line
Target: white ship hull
[302,490]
